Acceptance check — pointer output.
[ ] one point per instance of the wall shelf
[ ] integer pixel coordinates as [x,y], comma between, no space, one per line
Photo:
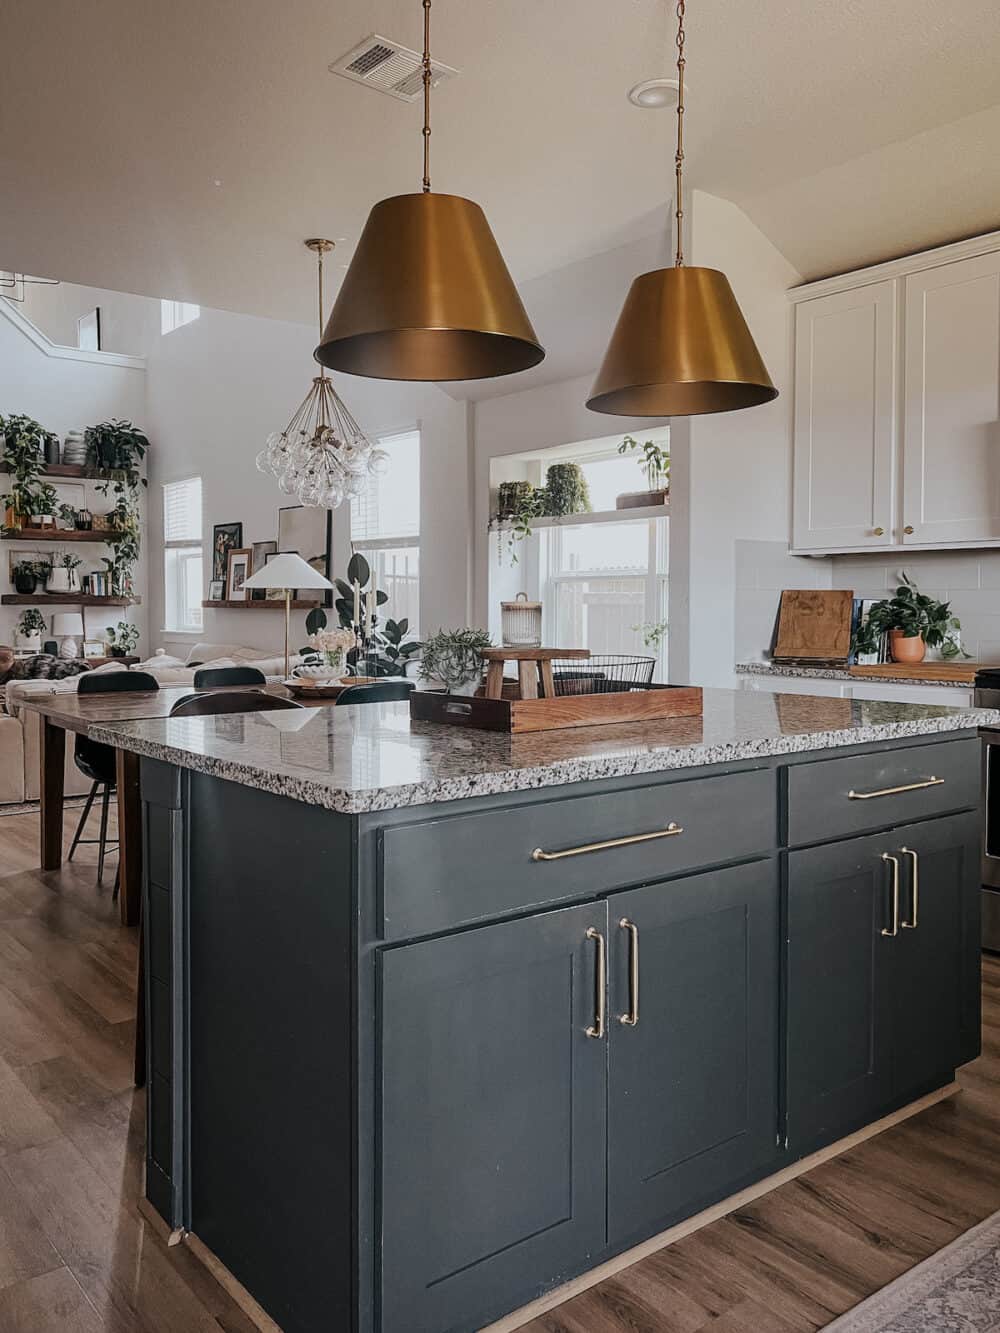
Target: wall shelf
[81,471]
[37,535]
[582,520]
[64,599]
[271,604]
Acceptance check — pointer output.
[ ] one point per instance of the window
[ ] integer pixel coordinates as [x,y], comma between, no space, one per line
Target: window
[385,526]
[175,313]
[182,556]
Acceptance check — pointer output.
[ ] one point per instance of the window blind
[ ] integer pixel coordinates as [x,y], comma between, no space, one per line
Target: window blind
[182,510]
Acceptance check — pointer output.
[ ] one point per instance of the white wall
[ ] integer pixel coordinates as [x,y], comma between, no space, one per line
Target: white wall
[129,324]
[218,386]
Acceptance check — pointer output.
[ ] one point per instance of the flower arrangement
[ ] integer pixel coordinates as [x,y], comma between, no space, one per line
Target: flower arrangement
[331,646]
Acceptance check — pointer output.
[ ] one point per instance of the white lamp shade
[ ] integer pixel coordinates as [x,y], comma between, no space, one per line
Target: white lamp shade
[66,623]
[287,570]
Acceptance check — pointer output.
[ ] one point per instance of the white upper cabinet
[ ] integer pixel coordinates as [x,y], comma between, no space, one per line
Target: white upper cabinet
[951,435]
[845,419]
[897,404]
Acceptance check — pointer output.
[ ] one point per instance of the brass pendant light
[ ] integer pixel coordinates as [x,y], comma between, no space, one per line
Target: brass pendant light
[681,346]
[428,295]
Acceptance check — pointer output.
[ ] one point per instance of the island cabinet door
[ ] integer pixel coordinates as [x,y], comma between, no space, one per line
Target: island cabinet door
[839,1053]
[693,1087]
[493,1117]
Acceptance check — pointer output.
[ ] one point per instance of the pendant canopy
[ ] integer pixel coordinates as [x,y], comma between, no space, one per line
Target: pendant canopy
[681,348]
[428,297]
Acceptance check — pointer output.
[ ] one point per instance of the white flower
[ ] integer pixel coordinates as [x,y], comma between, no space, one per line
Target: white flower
[334,641]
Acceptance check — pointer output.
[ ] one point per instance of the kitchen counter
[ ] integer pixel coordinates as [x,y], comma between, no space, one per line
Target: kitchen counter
[960,678]
[358,760]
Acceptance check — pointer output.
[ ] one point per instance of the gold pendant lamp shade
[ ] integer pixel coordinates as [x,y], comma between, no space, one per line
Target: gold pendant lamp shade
[428,295]
[681,346]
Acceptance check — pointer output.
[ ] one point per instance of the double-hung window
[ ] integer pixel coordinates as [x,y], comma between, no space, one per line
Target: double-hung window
[385,526]
[182,555]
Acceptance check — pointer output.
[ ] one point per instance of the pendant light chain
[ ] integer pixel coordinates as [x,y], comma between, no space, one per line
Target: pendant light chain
[427,96]
[679,155]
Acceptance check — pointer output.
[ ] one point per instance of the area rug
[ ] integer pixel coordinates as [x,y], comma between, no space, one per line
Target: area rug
[956,1290]
[32,807]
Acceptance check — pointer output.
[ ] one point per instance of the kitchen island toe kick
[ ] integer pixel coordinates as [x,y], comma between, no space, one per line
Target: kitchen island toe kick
[405,1076]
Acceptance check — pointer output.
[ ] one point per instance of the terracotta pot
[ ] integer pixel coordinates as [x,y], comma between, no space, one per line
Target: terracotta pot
[905,649]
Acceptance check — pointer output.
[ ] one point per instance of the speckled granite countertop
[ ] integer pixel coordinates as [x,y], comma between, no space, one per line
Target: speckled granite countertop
[374,758]
[839,673]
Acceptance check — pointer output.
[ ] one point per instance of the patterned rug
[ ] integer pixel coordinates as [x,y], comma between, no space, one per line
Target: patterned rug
[956,1290]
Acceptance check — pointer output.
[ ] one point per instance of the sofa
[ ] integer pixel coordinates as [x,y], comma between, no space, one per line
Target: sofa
[19,727]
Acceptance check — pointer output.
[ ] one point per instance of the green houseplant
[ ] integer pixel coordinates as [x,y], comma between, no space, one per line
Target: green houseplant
[390,648]
[914,622]
[25,577]
[117,448]
[23,443]
[456,658]
[62,573]
[566,490]
[121,638]
[30,628]
[655,464]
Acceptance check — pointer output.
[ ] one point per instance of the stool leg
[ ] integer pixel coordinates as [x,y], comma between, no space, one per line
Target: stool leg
[548,680]
[105,802]
[527,676]
[494,680]
[83,820]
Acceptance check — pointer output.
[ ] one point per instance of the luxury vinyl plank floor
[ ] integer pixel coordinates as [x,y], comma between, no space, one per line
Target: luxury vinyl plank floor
[75,1256]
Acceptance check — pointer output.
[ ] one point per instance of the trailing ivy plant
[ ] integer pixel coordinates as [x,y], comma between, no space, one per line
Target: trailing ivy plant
[915,615]
[23,443]
[515,526]
[117,448]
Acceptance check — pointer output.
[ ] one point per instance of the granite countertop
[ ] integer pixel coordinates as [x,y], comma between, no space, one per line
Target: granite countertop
[374,758]
[841,673]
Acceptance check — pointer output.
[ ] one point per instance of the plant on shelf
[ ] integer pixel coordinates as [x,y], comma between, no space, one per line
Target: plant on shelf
[30,628]
[566,490]
[62,573]
[655,463]
[510,495]
[456,658]
[524,506]
[387,649]
[121,638]
[913,622]
[26,576]
[23,441]
[118,448]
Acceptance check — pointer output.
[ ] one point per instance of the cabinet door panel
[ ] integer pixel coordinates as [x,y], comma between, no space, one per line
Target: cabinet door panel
[951,436]
[839,1066]
[693,1085]
[845,419]
[493,1174]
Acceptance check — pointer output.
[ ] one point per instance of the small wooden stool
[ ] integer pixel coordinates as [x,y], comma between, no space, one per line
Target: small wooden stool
[534,669]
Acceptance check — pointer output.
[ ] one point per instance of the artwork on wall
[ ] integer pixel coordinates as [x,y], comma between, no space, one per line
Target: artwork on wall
[88,331]
[307,530]
[237,573]
[226,537]
[262,551]
[217,590]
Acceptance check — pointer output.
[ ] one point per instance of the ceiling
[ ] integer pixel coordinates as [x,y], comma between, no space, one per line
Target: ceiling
[185,149]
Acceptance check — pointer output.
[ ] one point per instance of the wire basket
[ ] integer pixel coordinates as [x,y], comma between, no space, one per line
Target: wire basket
[603,675]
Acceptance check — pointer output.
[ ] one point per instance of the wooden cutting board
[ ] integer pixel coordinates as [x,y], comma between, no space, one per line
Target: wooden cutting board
[963,672]
[814,623]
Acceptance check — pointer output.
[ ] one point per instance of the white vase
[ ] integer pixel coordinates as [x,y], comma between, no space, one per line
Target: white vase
[28,643]
[69,648]
[59,580]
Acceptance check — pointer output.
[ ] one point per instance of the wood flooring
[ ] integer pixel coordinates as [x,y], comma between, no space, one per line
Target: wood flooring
[75,1256]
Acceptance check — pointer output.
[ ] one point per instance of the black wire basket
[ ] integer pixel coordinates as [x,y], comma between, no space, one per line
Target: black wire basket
[614,674]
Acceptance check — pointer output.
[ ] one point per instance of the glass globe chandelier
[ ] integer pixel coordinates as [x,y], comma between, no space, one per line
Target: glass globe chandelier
[322,457]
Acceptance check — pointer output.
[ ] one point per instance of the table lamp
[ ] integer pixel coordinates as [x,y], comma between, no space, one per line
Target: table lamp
[68,626]
[288,571]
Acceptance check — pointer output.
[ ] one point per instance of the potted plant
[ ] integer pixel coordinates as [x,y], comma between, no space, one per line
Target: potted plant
[566,490]
[456,658]
[116,447]
[25,576]
[655,463]
[23,442]
[510,497]
[63,576]
[121,638]
[329,648]
[30,628]
[388,650]
[913,622]
[523,507]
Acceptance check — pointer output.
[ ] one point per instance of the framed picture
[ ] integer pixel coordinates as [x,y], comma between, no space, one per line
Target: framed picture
[226,537]
[273,594]
[88,331]
[262,552]
[217,590]
[237,573]
[94,648]
[307,531]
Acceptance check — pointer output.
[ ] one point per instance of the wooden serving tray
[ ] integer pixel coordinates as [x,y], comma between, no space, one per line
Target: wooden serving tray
[517,716]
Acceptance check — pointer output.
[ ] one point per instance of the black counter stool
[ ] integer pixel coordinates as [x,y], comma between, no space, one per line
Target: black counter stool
[244,701]
[381,691]
[209,677]
[98,762]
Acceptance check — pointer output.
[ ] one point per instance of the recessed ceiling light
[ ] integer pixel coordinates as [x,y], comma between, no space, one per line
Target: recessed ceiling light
[654,94]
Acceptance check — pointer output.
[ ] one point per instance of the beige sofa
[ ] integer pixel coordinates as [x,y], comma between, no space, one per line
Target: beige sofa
[19,727]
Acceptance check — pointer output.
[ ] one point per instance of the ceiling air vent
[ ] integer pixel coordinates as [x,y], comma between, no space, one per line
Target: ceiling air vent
[382,64]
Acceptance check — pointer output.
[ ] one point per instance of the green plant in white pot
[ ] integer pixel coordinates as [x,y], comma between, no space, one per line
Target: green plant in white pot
[30,628]
[63,577]
[455,657]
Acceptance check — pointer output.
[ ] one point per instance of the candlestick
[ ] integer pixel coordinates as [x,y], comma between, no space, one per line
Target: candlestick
[357,602]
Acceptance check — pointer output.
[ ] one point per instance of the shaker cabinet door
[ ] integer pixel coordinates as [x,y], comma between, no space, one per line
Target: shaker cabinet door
[493,1113]
[693,1091]
[951,436]
[845,419]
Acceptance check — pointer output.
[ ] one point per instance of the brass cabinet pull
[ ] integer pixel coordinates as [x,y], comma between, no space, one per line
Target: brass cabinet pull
[894,791]
[915,898]
[878,532]
[631,1019]
[671,831]
[600,1008]
[887,856]
[909,529]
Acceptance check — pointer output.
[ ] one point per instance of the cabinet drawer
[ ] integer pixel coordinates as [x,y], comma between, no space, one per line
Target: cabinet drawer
[466,868]
[835,798]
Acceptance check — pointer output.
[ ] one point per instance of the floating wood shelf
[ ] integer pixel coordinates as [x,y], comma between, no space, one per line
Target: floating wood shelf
[64,599]
[75,470]
[37,535]
[263,605]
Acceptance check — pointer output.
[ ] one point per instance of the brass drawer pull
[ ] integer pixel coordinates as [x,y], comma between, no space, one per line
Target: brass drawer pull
[887,856]
[600,1009]
[671,831]
[915,898]
[894,791]
[631,1019]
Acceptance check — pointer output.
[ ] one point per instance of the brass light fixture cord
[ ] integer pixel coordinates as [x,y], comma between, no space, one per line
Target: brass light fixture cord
[427,96]
[679,155]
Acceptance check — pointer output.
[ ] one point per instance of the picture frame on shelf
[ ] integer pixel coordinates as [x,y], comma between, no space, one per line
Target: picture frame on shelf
[273,594]
[217,590]
[226,537]
[237,573]
[262,552]
[93,648]
[307,530]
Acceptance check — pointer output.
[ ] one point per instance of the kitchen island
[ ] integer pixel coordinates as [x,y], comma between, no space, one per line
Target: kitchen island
[441,1019]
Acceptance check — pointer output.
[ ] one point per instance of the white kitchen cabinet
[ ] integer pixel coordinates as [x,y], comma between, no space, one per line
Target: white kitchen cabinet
[845,419]
[951,433]
[954,696]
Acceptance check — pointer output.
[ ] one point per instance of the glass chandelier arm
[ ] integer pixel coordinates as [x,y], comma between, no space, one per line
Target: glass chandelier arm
[679,154]
[427,99]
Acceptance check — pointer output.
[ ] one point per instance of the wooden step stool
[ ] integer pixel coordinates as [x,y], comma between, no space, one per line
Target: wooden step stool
[534,669]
